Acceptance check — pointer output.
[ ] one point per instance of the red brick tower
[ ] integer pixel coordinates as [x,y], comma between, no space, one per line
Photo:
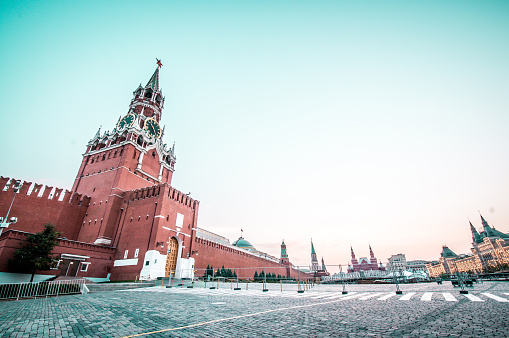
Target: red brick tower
[284,255]
[372,258]
[314,260]
[132,156]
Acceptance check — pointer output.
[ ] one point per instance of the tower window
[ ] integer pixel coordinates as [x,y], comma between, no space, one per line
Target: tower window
[148,94]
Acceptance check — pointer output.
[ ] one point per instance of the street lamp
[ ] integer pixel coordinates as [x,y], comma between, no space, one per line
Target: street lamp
[13,220]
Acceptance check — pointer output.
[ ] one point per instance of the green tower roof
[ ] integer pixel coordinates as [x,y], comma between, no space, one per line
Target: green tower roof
[154,81]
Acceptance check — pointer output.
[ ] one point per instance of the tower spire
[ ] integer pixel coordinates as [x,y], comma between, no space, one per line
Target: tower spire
[153,83]
[486,227]
[476,238]
[314,260]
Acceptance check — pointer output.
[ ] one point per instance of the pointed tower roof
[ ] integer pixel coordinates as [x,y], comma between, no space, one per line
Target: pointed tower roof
[351,252]
[486,227]
[312,247]
[154,81]
[448,253]
[476,238]
[371,254]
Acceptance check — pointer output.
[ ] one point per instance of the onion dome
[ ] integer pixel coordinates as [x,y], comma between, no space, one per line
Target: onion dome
[242,243]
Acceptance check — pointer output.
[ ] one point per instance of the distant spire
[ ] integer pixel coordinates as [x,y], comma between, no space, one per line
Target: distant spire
[312,247]
[486,227]
[351,252]
[476,238]
[98,134]
[324,268]
[154,81]
[284,254]
[371,254]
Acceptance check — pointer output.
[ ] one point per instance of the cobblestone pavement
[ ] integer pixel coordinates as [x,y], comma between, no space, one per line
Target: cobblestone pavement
[322,311]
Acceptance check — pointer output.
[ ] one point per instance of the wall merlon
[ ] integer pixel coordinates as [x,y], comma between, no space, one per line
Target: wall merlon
[25,187]
[47,191]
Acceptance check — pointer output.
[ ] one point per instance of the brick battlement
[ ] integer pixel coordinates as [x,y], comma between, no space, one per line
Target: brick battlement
[43,191]
[36,204]
[158,190]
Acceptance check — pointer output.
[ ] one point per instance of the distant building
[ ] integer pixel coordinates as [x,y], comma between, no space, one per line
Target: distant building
[363,264]
[417,265]
[317,270]
[490,252]
[396,262]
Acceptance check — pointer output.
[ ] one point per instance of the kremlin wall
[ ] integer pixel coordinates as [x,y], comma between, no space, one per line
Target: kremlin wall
[123,220]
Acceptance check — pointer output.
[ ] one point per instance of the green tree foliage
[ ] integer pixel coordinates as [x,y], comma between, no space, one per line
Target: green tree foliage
[35,254]
[256,276]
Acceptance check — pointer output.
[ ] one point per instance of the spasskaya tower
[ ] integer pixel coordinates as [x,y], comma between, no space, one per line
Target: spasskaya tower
[131,156]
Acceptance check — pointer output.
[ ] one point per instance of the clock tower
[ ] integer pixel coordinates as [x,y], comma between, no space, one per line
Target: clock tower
[131,156]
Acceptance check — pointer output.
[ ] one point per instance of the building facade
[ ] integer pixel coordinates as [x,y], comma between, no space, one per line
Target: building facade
[489,252]
[123,220]
[364,264]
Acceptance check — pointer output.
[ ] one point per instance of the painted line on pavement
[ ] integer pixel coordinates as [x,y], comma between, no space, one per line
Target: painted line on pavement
[448,297]
[387,296]
[371,296]
[407,296]
[497,298]
[473,298]
[427,296]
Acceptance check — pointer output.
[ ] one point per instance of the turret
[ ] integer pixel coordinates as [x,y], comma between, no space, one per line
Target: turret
[284,255]
[486,227]
[476,238]
[314,260]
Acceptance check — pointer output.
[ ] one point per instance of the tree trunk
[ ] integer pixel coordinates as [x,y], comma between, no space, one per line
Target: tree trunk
[32,279]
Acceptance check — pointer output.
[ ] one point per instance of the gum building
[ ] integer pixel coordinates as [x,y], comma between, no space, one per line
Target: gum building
[123,220]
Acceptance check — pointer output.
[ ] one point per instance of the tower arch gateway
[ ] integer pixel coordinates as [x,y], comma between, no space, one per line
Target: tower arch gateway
[171,257]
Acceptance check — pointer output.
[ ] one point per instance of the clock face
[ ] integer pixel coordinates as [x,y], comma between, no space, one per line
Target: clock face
[126,122]
[152,128]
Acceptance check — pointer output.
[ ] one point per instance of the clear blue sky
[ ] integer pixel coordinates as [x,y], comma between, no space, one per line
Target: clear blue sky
[374,122]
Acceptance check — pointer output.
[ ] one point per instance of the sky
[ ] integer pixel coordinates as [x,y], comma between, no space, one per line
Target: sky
[381,123]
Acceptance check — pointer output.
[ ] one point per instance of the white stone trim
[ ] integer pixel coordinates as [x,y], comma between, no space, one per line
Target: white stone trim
[125,262]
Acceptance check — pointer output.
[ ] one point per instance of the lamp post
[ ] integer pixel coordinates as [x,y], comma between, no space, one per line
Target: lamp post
[6,222]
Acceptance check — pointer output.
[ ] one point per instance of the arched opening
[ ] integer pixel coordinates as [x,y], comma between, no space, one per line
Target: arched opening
[171,257]
[158,98]
[140,140]
[148,94]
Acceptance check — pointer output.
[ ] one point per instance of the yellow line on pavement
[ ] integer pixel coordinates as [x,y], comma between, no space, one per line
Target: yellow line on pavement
[232,318]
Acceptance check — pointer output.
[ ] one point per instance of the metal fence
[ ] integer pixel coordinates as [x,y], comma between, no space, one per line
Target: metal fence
[41,289]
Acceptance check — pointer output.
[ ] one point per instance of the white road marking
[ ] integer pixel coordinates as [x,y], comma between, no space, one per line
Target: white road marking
[353,296]
[473,298]
[407,296]
[342,295]
[387,296]
[427,296]
[448,297]
[371,295]
[497,298]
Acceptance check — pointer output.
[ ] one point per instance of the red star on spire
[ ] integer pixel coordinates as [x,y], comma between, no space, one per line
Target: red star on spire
[159,64]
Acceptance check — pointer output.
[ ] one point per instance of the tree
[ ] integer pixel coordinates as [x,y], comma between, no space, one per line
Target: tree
[35,254]
[256,276]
